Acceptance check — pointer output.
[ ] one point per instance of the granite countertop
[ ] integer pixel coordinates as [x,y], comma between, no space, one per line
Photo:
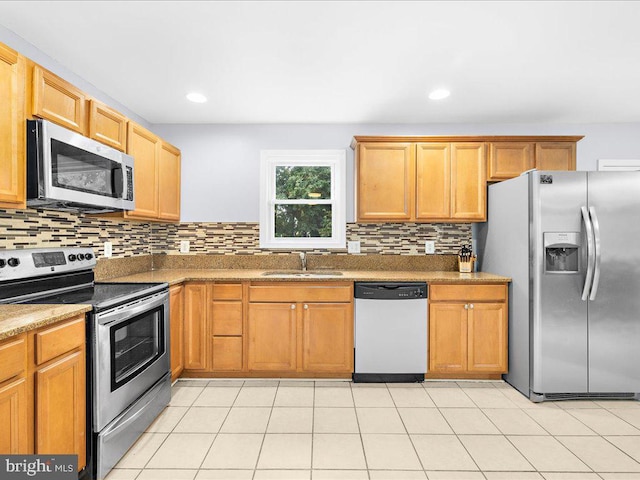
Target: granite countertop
[16,319]
[176,276]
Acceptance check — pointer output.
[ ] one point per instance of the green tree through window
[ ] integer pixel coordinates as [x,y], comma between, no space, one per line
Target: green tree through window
[302,199]
[303,220]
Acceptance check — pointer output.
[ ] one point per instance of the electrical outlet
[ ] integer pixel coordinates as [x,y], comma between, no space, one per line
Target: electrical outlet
[353,247]
[429,247]
[108,249]
[184,246]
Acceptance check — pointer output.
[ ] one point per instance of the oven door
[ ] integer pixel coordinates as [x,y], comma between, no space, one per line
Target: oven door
[131,345]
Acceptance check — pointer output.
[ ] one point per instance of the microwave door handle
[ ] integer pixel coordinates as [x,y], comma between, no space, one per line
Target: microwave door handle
[118,183]
[590,253]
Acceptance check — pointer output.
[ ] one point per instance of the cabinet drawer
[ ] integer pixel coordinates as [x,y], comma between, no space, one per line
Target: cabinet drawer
[227,353]
[13,356]
[59,339]
[227,318]
[296,292]
[465,293]
[227,291]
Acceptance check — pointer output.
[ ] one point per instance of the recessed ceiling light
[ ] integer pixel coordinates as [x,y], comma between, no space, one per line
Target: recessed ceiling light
[439,94]
[196,97]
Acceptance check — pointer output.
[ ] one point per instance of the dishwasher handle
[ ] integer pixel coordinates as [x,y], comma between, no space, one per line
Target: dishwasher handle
[390,290]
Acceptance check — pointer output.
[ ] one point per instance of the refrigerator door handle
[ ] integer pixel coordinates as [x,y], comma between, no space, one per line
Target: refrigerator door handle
[596,240]
[590,253]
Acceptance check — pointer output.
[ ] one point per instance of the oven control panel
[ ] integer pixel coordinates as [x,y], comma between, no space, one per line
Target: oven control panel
[33,262]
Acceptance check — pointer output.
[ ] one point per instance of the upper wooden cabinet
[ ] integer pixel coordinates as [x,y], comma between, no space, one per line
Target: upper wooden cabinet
[156,176]
[169,182]
[556,156]
[12,129]
[443,178]
[420,181]
[57,100]
[385,185]
[107,126]
[508,159]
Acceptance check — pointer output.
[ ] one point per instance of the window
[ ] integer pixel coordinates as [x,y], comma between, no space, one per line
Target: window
[302,199]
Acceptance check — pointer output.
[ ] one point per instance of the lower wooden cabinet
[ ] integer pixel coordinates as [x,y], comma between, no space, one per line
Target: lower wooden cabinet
[195,324]
[301,328]
[43,391]
[268,329]
[60,407]
[176,329]
[467,330]
[273,336]
[16,404]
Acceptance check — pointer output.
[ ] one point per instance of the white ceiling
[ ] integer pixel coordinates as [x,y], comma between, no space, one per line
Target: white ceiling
[344,61]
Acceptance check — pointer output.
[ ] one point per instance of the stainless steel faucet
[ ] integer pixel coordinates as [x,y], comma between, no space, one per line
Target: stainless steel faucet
[303,260]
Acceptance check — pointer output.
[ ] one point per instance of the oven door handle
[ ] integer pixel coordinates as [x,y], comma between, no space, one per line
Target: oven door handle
[129,310]
[120,425]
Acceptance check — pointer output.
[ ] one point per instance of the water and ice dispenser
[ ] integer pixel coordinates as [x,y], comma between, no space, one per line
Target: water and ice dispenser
[562,252]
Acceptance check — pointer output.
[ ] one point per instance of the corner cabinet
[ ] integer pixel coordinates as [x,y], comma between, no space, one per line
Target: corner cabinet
[12,129]
[467,331]
[156,176]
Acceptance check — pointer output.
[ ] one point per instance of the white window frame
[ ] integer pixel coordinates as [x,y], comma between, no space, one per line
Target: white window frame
[269,160]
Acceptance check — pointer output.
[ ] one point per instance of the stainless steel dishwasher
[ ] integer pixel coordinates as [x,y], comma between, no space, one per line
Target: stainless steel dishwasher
[390,332]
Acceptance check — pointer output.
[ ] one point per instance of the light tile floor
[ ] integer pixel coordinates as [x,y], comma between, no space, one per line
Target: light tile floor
[287,429]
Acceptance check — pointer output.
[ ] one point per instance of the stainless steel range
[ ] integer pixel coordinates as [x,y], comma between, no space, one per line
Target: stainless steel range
[128,359]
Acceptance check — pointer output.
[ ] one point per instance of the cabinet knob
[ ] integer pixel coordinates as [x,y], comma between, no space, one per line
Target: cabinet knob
[306,307]
[466,306]
[293,306]
[471,305]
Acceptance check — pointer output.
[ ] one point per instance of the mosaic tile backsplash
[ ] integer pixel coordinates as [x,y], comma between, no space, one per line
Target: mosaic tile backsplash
[38,228]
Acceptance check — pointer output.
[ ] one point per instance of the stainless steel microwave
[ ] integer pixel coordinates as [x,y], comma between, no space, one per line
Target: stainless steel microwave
[68,171]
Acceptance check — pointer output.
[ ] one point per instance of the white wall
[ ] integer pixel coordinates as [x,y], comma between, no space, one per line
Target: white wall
[221,163]
[20,45]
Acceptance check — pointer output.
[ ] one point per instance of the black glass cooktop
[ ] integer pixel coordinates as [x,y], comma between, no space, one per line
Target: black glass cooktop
[104,295]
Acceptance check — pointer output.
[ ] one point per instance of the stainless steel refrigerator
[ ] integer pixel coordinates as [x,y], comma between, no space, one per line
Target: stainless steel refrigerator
[570,241]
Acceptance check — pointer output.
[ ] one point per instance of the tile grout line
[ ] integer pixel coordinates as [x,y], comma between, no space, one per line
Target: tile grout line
[266,428]
[355,411]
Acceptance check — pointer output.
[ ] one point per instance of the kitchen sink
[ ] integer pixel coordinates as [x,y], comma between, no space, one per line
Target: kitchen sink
[302,274]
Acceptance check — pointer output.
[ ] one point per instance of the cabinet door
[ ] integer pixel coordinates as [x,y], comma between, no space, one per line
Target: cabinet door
[14,434]
[195,321]
[60,407]
[327,343]
[272,336]
[176,326]
[433,181]
[556,156]
[468,181]
[57,100]
[227,354]
[12,129]
[169,183]
[143,146]
[509,159]
[487,337]
[385,181]
[107,126]
[447,337]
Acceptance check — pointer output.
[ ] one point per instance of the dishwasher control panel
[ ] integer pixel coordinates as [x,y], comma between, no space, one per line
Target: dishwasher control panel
[390,290]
